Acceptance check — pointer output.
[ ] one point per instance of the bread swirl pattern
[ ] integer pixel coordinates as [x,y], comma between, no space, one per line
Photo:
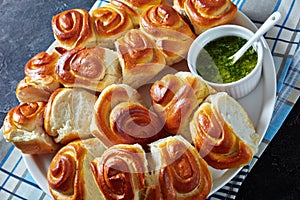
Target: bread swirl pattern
[180,171]
[139,58]
[223,133]
[24,127]
[172,35]
[121,118]
[110,23]
[91,68]
[73,28]
[120,172]
[42,63]
[40,80]
[69,175]
[175,97]
[205,14]
[134,8]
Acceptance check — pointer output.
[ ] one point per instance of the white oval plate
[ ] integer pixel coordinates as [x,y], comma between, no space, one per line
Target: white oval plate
[259,104]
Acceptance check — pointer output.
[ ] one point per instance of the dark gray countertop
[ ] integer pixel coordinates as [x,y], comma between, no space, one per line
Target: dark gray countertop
[26,31]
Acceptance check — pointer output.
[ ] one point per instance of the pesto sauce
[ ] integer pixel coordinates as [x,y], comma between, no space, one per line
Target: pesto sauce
[214,65]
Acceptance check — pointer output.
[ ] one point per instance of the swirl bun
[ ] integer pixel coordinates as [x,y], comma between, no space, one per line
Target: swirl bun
[73,28]
[91,68]
[40,80]
[205,14]
[121,118]
[139,57]
[68,114]
[121,172]
[223,133]
[24,127]
[174,99]
[110,23]
[134,8]
[69,172]
[42,63]
[172,35]
[180,171]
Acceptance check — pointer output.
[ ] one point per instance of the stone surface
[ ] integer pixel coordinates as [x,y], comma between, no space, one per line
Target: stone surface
[25,30]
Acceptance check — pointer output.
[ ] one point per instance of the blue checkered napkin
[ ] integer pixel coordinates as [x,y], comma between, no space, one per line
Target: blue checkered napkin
[15,180]
[283,40]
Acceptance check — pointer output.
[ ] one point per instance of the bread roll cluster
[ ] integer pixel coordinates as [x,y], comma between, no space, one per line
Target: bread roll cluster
[82,101]
[85,169]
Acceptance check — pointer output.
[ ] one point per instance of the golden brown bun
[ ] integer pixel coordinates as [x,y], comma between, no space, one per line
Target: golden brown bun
[180,172]
[121,118]
[121,172]
[205,14]
[172,35]
[73,29]
[42,63]
[68,114]
[134,8]
[178,5]
[29,90]
[110,23]
[40,80]
[69,175]
[175,97]
[139,57]
[24,127]
[91,68]
[223,132]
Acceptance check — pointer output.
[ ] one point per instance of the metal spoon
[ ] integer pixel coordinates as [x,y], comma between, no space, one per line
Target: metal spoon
[267,25]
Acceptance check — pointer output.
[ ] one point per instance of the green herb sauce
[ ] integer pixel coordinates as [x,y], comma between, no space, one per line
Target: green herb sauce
[214,65]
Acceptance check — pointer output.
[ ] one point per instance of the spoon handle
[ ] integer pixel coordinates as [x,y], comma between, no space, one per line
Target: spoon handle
[269,23]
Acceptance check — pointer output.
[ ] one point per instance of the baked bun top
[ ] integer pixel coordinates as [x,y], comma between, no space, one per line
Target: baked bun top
[223,132]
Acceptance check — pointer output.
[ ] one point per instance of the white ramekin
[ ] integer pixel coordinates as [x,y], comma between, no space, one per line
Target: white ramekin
[242,87]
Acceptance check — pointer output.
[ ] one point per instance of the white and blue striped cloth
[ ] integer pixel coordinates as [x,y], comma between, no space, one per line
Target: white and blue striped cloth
[17,183]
